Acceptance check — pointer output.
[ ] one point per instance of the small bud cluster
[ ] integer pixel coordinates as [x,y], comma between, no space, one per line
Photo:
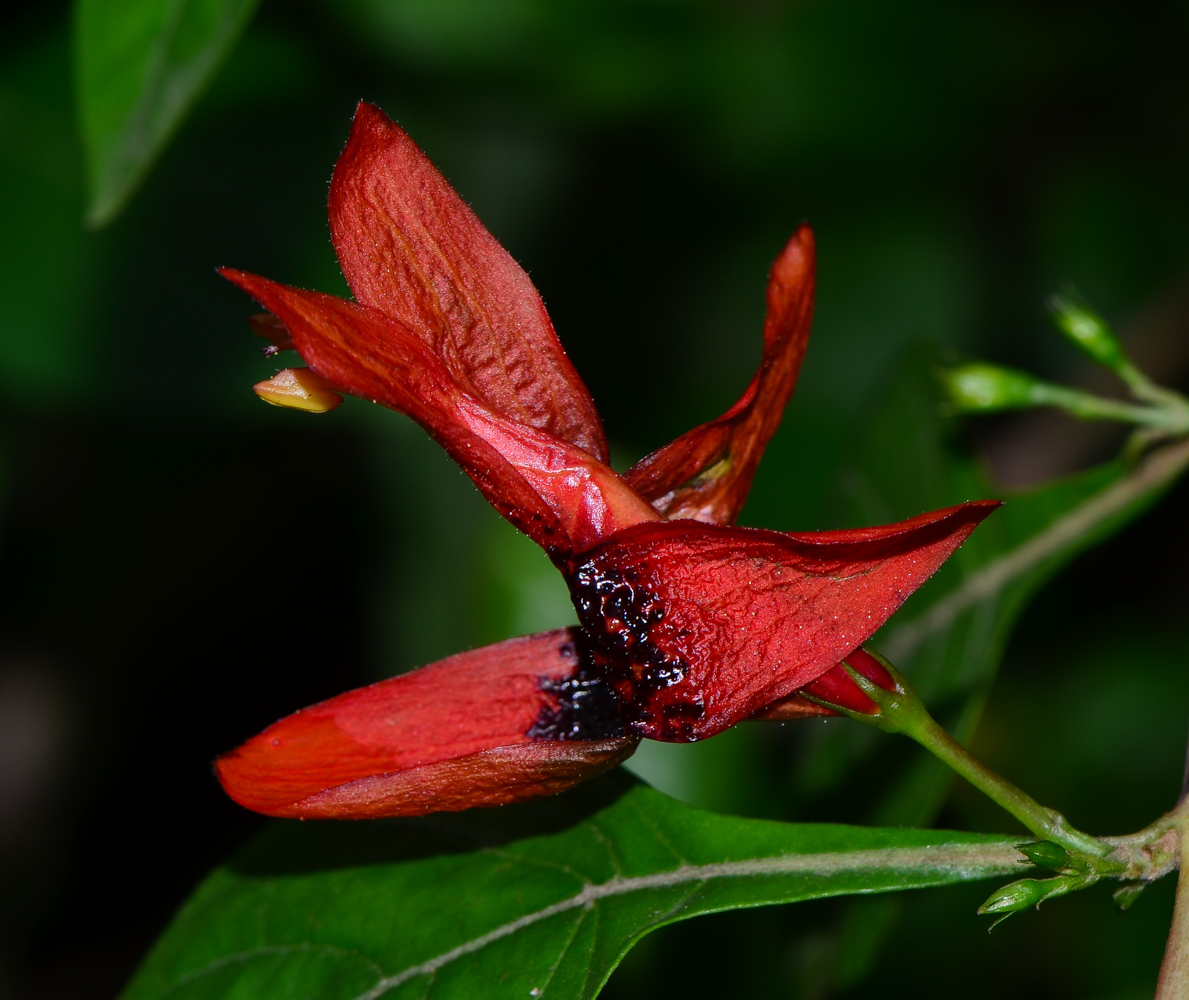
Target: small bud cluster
[978,387]
[1072,873]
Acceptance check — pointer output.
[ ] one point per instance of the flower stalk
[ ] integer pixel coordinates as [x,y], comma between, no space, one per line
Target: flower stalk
[902,711]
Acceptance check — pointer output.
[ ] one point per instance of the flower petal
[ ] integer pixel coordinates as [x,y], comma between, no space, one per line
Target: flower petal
[703,625]
[508,722]
[835,686]
[707,472]
[411,248]
[555,492]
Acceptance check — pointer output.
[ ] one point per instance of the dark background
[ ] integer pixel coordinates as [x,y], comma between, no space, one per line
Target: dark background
[181,564]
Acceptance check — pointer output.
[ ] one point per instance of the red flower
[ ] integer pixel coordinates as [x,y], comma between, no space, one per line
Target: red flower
[689,625]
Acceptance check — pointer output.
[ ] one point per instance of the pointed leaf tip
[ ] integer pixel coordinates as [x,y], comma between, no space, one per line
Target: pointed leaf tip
[139,68]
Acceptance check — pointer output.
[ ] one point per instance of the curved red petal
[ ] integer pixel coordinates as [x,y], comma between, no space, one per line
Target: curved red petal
[411,248]
[495,777]
[555,492]
[448,736]
[706,473]
[703,625]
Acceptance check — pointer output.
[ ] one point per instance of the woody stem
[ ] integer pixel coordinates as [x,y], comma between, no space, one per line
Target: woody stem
[1174,970]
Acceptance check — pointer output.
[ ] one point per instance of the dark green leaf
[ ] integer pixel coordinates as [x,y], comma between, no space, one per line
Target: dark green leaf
[528,901]
[140,64]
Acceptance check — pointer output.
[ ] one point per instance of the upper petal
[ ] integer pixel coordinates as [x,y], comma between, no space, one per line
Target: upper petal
[555,492]
[477,729]
[705,624]
[707,472]
[410,247]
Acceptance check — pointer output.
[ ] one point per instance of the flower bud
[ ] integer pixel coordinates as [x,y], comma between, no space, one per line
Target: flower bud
[983,388]
[1017,896]
[1044,854]
[1126,895]
[1088,331]
[299,388]
[836,687]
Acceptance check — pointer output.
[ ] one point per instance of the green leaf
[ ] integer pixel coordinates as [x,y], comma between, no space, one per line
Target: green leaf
[527,901]
[140,65]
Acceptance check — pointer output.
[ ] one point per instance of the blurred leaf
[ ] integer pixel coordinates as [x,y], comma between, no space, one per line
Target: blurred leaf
[48,265]
[139,66]
[516,902]
[950,635]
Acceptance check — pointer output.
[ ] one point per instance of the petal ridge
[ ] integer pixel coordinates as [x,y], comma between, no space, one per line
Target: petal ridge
[410,247]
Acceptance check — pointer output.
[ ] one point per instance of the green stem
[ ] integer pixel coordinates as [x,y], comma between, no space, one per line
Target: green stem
[1045,823]
[1164,415]
[1142,387]
[1174,970]
[902,711]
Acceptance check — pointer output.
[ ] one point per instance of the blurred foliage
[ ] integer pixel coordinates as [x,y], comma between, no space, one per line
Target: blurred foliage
[140,64]
[183,565]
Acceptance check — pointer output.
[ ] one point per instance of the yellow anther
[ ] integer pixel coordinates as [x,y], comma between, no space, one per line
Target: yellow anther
[300,389]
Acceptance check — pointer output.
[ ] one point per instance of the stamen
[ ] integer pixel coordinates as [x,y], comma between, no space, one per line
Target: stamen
[300,389]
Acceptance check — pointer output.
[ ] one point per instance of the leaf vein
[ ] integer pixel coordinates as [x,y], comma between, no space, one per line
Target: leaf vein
[966,861]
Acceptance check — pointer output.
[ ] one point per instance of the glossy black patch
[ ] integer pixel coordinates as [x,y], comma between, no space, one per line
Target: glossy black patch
[587,706]
[619,614]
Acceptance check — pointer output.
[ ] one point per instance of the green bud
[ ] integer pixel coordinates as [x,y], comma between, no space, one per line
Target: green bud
[1126,895]
[1044,854]
[1088,331]
[979,387]
[1017,896]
